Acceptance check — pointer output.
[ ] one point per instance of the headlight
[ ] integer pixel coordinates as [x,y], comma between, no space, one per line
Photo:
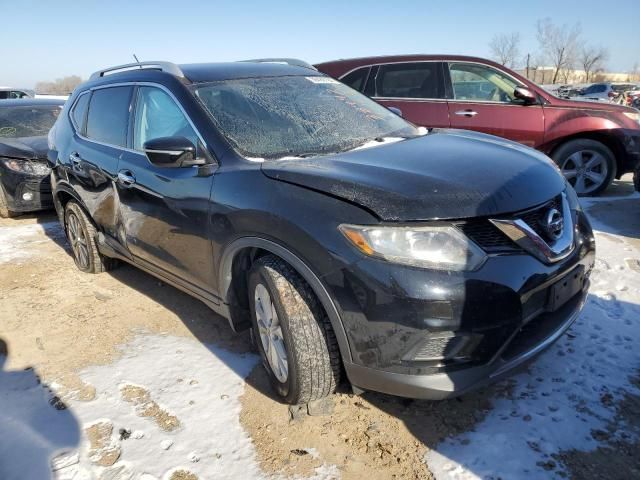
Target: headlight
[26,166]
[437,247]
[635,116]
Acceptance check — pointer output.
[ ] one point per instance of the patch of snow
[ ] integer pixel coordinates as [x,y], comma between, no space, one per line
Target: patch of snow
[377,143]
[16,243]
[208,425]
[166,444]
[557,404]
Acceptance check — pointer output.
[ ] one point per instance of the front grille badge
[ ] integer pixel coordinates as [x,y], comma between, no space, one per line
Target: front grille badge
[558,229]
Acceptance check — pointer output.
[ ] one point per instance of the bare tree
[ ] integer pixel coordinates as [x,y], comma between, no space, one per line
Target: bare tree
[61,86]
[505,48]
[559,44]
[592,60]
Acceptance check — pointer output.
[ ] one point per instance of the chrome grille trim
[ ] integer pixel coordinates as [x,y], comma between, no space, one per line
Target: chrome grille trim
[529,240]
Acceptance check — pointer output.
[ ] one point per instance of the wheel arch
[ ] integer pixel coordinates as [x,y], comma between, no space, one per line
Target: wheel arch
[235,262]
[608,140]
[61,197]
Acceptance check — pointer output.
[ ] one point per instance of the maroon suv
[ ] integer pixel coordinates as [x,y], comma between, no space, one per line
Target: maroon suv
[592,143]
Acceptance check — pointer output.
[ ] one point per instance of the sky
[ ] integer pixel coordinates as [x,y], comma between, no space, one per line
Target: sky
[53,39]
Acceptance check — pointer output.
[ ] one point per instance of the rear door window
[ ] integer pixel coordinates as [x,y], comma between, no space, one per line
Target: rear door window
[410,80]
[108,117]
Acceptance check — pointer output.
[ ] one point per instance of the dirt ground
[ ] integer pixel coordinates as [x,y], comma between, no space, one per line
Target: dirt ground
[59,321]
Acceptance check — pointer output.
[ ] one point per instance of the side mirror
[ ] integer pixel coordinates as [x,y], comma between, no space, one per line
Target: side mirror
[525,94]
[171,152]
[395,110]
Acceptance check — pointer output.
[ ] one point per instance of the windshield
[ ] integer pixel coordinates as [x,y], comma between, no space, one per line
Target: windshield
[27,121]
[275,117]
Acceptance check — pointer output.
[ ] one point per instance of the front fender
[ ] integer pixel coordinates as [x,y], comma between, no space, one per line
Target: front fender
[566,122]
[59,191]
[226,278]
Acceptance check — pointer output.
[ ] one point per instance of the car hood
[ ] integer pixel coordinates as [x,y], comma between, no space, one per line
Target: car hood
[24,147]
[446,174]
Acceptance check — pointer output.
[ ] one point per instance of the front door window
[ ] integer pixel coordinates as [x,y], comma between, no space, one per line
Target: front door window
[481,83]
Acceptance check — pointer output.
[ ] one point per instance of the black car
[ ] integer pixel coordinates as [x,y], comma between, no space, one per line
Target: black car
[419,263]
[24,171]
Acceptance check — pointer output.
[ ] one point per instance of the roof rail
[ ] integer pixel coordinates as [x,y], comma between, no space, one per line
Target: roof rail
[168,67]
[289,61]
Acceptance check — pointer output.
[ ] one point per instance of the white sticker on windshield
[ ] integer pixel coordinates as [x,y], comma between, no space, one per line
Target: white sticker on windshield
[321,80]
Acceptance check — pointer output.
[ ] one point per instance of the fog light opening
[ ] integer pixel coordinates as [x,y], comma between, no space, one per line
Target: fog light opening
[28,196]
[438,347]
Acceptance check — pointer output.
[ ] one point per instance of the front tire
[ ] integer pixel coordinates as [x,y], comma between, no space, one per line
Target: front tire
[292,332]
[589,166]
[81,233]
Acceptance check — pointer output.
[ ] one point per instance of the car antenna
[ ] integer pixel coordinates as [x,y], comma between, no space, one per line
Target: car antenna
[136,58]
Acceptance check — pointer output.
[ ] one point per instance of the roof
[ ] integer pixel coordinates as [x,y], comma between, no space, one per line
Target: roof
[210,72]
[338,67]
[404,58]
[31,102]
[201,72]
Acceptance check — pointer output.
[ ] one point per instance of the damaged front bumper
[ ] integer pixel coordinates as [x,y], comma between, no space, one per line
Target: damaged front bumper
[525,344]
[26,191]
[434,335]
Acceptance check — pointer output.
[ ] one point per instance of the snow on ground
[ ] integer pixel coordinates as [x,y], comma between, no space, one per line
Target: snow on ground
[15,241]
[558,403]
[198,386]
[177,401]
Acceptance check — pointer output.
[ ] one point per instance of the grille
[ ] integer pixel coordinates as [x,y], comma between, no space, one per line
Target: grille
[487,236]
[535,217]
[491,239]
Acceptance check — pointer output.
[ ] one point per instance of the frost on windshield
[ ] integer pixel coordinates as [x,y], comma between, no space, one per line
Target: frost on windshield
[16,122]
[274,117]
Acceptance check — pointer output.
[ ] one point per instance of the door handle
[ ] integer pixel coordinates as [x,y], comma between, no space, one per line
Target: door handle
[466,113]
[126,178]
[75,158]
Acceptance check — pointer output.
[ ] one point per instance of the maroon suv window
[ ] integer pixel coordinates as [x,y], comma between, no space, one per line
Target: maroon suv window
[356,78]
[409,80]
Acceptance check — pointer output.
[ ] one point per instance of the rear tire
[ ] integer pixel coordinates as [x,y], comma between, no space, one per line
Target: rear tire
[292,332]
[589,166]
[82,234]
[4,209]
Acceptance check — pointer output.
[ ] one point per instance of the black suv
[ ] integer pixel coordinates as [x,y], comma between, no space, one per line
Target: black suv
[418,263]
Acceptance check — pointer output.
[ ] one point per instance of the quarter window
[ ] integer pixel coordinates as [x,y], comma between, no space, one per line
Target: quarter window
[409,80]
[79,112]
[475,82]
[109,114]
[356,78]
[157,115]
